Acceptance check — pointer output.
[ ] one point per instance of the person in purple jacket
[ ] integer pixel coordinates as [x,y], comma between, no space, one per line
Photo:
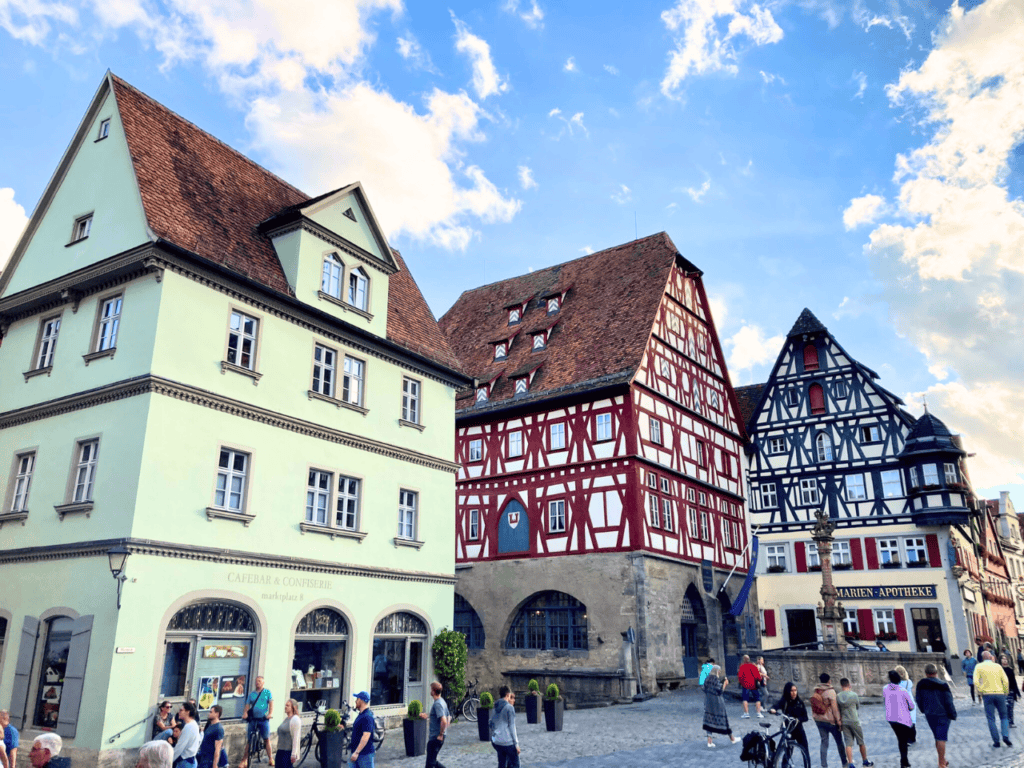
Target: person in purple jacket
[898,705]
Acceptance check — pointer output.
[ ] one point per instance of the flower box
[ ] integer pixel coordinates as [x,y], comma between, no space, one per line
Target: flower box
[917,564]
[892,564]
[842,566]
[776,569]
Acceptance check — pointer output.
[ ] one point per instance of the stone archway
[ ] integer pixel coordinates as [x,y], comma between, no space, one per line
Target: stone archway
[693,632]
[730,635]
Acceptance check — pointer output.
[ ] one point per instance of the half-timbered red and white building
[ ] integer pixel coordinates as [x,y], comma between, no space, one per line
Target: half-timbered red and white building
[600,486]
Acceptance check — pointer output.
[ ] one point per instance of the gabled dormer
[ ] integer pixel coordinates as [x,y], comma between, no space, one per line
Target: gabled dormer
[515,311]
[335,256]
[503,346]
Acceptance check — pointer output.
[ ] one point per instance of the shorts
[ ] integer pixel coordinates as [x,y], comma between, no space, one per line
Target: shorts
[261,724]
[940,726]
[853,734]
[751,694]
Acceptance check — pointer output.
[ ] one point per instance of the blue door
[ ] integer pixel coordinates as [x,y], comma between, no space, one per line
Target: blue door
[513,529]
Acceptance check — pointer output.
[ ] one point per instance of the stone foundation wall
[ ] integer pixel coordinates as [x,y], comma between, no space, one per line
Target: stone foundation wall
[867,671]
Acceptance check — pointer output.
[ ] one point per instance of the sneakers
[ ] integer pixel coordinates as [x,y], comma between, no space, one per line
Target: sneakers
[867,764]
[1007,742]
[761,715]
[996,744]
[711,745]
[851,765]
[745,716]
[734,740]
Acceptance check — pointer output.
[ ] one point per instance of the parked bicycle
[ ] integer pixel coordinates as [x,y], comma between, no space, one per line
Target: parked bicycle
[313,735]
[775,750]
[470,703]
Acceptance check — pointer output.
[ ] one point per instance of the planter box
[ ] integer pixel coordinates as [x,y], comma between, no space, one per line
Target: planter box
[553,713]
[415,733]
[334,749]
[532,709]
[483,723]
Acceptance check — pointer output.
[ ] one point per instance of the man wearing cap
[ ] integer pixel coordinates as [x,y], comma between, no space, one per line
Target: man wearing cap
[362,746]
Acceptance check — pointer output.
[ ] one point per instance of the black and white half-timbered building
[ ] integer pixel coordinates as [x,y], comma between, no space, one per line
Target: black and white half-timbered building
[824,434]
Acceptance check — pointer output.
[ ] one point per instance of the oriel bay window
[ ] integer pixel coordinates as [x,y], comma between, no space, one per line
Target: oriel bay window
[318,666]
[550,621]
[398,663]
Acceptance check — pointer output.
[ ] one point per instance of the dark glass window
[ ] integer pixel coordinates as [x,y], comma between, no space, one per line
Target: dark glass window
[467,621]
[550,621]
[51,674]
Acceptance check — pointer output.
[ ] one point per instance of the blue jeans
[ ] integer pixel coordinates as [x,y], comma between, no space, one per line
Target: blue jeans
[508,757]
[826,730]
[365,761]
[996,702]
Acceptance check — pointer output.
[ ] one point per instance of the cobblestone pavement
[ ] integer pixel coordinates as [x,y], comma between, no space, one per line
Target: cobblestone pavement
[666,731]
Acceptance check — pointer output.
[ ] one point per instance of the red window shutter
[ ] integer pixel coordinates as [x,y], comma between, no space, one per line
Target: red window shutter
[800,555]
[817,398]
[856,555]
[934,558]
[769,622]
[901,624]
[871,553]
[866,624]
[810,358]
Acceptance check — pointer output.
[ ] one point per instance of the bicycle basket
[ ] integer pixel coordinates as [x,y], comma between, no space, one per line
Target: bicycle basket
[755,748]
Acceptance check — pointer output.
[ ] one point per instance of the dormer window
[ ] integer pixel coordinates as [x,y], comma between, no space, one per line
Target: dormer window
[500,350]
[358,283]
[554,304]
[514,316]
[540,341]
[522,386]
[104,129]
[330,281]
[82,228]
[482,394]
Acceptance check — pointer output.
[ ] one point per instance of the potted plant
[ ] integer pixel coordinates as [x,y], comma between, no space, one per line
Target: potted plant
[334,749]
[554,708]
[483,716]
[776,569]
[533,702]
[414,728]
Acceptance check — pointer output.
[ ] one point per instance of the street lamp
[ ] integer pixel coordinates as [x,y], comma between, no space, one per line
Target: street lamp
[118,556]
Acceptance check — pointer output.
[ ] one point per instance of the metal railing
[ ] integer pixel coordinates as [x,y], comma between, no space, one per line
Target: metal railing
[117,735]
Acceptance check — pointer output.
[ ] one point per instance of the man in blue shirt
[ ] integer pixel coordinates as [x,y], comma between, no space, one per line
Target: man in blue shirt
[362,747]
[259,707]
[11,737]
[211,749]
[439,719]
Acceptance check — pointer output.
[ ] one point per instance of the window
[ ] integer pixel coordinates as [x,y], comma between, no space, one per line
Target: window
[809,492]
[666,485]
[792,397]
[889,551]
[914,482]
[604,426]
[654,508]
[318,496]
[323,370]
[398,660]
[410,400]
[347,513]
[652,480]
[776,554]
[840,389]
[515,443]
[553,305]
[655,431]
[481,394]
[556,516]
[885,622]
[514,315]
[242,337]
[691,495]
[810,358]
[776,445]
[816,395]
[916,551]
[47,342]
[24,466]
[950,473]
[703,499]
[871,434]
[53,668]
[330,280]
[320,641]
[352,381]
[231,479]
[104,129]
[892,485]
[824,447]
[931,474]
[85,473]
[467,621]
[666,514]
[500,350]
[726,534]
[701,459]
[522,386]
[549,621]
[691,519]
[813,557]
[407,514]
[705,529]
[357,285]
[539,341]
[82,228]
[109,321]
[474,524]
[841,553]
[476,450]
[850,626]
[855,490]
[557,439]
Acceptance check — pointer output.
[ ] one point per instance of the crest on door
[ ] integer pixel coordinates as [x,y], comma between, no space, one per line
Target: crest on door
[513,519]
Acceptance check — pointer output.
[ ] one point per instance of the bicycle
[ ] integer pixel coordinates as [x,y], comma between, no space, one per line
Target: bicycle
[470,703]
[378,729]
[256,746]
[761,750]
[315,730]
[313,735]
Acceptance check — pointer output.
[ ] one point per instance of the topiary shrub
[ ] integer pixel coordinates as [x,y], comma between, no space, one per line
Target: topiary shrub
[552,693]
[415,708]
[486,700]
[450,654]
[332,720]
[533,686]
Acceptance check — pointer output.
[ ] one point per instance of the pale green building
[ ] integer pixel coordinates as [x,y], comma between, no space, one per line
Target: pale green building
[242,387]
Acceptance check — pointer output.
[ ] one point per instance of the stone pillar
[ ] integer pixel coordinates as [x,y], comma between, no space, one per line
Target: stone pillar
[830,611]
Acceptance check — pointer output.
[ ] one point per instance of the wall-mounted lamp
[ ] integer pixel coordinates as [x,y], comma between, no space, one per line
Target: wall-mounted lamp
[118,557]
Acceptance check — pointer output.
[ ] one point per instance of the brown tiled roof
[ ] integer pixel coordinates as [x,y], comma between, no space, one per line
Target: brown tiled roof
[748,397]
[603,329]
[201,195]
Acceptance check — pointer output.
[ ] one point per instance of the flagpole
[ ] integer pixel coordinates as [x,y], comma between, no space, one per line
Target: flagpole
[749,544]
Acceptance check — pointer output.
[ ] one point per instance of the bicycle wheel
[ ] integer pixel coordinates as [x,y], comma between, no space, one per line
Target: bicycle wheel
[791,755]
[255,747]
[318,753]
[304,746]
[469,709]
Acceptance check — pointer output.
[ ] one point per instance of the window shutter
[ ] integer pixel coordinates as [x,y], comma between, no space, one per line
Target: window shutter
[769,622]
[901,624]
[810,358]
[74,677]
[23,671]
[800,555]
[934,557]
[817,398]
[866,624]
[856,555]
[871,552]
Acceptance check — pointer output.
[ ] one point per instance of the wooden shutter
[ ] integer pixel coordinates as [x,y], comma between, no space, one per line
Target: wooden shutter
[74,677]
[871,553]
[934,556]
[769,622]
[901,624]
[23,671]
[856,555]
[866,624]
[810,358]
[817,398]
[800,555]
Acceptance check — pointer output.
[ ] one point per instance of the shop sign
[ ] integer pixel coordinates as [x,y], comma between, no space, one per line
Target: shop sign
[124,649]
[882,593]
[969,595]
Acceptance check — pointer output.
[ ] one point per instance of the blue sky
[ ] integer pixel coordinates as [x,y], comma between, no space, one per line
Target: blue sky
[862,159]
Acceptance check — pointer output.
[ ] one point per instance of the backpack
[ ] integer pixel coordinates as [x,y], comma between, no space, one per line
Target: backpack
[818,705]
[756,748]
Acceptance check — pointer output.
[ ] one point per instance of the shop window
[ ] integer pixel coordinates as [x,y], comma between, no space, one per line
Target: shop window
[550,621]
[467,621]
[398,642]
[52,670]
[318,666]
[208,651]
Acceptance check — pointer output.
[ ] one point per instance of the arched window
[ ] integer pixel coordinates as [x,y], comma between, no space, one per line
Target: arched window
[358,283]
[550,621]
[824,447]
[810,358]
[398,642]
[330,281]
[817,397]
[208,653]
[467,621]
[318,664]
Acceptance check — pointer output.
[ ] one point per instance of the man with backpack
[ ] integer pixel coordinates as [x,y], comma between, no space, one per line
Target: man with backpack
[825,711]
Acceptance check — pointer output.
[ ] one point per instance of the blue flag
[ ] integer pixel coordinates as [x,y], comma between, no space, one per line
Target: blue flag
[741,598]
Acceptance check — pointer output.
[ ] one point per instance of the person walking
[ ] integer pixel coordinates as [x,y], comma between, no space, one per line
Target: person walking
[1020,661]
[792,705]
[439,719]
[967,665]
[1011,696]
[935,701]
[705,669]
[907,686]
[289,734]
[992,685]
[716,719]
[825,711]
[11,737]
[259,707]
[898,706]
[849,713]
[212,747]
[504,738]
[187,746]
[749,675]
[362,748]
[763,687]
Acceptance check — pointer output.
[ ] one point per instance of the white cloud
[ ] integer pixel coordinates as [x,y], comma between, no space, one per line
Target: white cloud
[12,223]
[486,80]
[611,69]
[534,16]
[770,78]
[701,43]
[623,195]
[863,210]
[719,309]
[554,112]
[867,19]
[586,250]
[409,48]
[526,178]
[750,347]
[861,79]
[30,20]
[570,64]
[698,194]
[572,124]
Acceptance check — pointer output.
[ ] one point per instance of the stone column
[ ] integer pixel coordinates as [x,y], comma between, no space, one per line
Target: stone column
[830,611]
